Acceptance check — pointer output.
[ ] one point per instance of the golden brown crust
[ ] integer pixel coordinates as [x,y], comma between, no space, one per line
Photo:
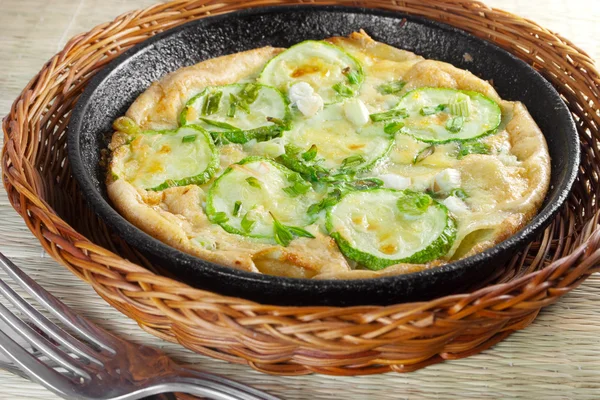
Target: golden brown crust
[515,188]
[160,105]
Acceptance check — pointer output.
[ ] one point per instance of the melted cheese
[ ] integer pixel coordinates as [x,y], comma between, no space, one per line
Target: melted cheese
[504,188]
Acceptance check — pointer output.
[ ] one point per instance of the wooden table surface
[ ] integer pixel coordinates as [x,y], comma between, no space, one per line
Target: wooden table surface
[557,357]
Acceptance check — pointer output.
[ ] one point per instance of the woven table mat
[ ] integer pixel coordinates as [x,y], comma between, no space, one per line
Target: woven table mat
[558,356]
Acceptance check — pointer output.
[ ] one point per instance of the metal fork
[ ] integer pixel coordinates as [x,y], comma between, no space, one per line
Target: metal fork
[101,366]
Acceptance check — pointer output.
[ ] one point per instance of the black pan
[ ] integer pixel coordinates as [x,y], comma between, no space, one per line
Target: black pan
[111,92]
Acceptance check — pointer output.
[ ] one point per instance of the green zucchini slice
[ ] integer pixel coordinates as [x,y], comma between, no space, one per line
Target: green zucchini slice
[381,227]
[334,144]
[440,115]
[238,113]
[333,73]
[253,194]
[157,160]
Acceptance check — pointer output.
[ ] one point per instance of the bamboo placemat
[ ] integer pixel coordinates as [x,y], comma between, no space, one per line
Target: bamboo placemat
[558,356]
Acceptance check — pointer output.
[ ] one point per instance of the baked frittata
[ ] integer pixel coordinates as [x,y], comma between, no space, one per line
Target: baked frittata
[342,158]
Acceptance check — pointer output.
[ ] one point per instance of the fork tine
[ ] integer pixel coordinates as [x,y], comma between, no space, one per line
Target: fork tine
[34,368]
[53,331]
[13,370]
[56,307]
[41,343]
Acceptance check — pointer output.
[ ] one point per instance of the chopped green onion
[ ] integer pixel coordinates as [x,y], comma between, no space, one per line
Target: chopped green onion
[211,103]
[467,148]
[300,232]
[114,176]
[391,87]
[327,202]
[393,127]
[352,161]
[220,217]
[430,110]
[276,121]
[250,93]
[391,114]
[423,154]
[252,181]
[126,125]
[413,203]
[220,124]
[283,236]
[343,90]
[233,102]
[247,223]
[292,150]
[310,154]
[455,124]
[461,194]
[460,105]
[297,189]
[353,76]
[365,184]
[189,138]
[239,103]
[236,208]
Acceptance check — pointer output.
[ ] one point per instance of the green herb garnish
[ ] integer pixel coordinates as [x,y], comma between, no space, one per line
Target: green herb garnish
[249,93]
[461,194]
[236,208]
[233,103]
[391,87]
[364,184]
[391,114]
[220,217]
[343,90]
[300,232]
[423,154]
[189,138]
[352,161]
[126,125]
[297,189]
[331,199]
[211,103]
[252,181]
[467,148]
[285,234]
[276,121]
[393,127]
[430,110]
[310,154]
[353,76]
[413,203]
[455,124]
[247,223]
[219,124]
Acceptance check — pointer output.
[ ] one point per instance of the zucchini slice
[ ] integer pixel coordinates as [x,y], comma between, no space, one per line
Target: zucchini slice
[157,160]
[333,73]
[334,144]
[253,194]
[381,227]
[440,115]
[238,113]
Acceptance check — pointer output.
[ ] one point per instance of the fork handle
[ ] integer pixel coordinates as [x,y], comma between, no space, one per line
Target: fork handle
[188,378]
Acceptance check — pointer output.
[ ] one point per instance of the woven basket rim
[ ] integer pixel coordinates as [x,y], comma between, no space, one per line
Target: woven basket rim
[169,309]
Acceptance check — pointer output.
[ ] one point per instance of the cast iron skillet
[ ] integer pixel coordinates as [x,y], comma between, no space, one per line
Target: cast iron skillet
[111,92]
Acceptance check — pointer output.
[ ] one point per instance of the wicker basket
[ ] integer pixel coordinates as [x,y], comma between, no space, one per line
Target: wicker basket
[300,340]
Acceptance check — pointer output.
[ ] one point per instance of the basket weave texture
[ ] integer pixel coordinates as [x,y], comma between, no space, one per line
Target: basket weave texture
[301,340]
